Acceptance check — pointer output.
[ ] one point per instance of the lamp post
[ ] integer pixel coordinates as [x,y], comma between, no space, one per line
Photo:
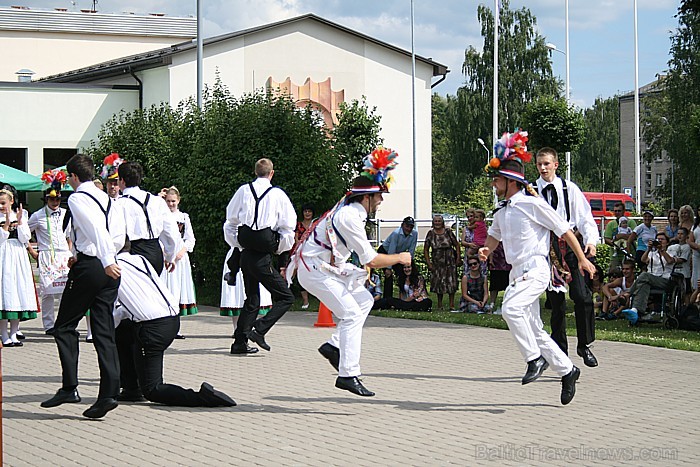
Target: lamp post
[496,22]
[637,160]
[413,116]
[553,48]
[488,159]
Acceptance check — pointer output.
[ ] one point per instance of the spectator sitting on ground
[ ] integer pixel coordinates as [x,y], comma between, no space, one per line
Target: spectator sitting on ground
[414,296]
[661,265]
[374,285]
[474,289]
[617,291]
[643,234]
[597,289]
[695,296]
[611,235]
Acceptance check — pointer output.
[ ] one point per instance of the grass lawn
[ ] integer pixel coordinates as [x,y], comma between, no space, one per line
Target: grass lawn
[620,331]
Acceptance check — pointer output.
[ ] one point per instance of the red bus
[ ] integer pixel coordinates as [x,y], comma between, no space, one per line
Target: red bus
[602,203]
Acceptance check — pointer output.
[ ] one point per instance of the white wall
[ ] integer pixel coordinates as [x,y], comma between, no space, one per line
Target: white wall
[311,49]
[60,116]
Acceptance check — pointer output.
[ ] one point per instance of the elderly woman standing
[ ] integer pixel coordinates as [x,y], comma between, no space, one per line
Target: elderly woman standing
[442,263]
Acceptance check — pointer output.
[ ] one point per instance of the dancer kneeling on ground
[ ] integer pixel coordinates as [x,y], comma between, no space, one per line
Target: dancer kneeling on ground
[321,263]
[144,298]
[414,296]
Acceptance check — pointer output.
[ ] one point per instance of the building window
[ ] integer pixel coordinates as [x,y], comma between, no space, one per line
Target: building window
[648,168]
[647,193]
[648,176]
[659,181]
[14,157]
[57,157]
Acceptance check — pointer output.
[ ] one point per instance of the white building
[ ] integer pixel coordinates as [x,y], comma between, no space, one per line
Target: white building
[316,60]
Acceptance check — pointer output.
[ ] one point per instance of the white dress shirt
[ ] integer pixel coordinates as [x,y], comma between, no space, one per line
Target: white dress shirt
[142,294]
[90,235]
[581,217]
[523,226]
[163,225]
[350,224]
[49,233]
[275,211]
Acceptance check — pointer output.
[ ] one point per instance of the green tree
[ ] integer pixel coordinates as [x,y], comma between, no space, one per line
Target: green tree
[525,73]
[597,162]
[208,154]
[672,119]
[355,135]
[553,123]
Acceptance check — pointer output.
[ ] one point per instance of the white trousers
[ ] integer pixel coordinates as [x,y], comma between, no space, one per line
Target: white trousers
[350,309]
[521,310]
[48,307]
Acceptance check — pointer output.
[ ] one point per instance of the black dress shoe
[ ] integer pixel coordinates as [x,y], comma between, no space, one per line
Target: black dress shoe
[214,398]
[587,356]
[131,395]
[352,384]
[243,350]
[50,332]
[568,385]
[17,344]
[259,339]
[100,408]
[535,368]
[332,353]
[21,336]
[62,396]
[179,336]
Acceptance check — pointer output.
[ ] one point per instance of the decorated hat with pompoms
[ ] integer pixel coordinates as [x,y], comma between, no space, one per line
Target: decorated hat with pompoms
[110,166]
[376,173]
[510,155]
[56,179]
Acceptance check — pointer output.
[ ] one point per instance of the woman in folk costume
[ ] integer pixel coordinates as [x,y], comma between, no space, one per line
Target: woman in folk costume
[53,244]
[18,299]
[179,281]
[233,288]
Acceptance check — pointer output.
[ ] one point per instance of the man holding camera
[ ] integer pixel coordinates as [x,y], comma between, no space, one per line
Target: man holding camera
[660,264]
[262,221]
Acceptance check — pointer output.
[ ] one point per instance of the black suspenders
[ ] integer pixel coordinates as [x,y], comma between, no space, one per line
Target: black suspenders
[257,201]
[145,211]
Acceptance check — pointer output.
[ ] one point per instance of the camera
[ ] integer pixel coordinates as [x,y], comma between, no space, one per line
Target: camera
[655,243]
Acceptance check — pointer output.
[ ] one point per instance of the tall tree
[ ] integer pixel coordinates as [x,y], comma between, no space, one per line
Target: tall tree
[597,162]
[355,135]
[525,73]
[673,119]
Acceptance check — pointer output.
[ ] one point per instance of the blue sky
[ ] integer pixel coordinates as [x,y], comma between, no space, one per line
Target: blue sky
[601,31]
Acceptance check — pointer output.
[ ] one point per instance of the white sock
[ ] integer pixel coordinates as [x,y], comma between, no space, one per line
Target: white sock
[89,328]
[14,327]
[3,332]
[235,322]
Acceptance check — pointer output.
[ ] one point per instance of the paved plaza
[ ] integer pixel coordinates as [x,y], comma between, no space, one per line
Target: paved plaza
[446,394]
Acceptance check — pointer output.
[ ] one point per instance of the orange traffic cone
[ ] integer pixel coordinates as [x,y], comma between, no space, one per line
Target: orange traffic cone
[325,318]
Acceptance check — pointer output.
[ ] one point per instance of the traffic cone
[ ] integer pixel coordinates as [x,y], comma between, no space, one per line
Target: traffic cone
[325,317]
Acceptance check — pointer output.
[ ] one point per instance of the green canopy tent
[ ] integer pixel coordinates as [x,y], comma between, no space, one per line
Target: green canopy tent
[22,181]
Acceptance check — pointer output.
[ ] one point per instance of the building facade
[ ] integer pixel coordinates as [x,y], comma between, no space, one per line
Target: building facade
[655,173]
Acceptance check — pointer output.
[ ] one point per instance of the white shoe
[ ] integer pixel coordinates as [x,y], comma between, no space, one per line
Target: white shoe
[455,311]
[305,307]
[498,311]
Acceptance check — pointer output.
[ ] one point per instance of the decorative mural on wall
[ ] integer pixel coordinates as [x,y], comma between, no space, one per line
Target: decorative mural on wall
[319,95]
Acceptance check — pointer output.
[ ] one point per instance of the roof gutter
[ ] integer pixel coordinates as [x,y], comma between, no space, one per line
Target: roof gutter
[438,71]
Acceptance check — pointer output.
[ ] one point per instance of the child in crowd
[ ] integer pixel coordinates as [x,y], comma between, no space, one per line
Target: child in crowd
[617,292]
[18,300]
[479,228]
[474,289]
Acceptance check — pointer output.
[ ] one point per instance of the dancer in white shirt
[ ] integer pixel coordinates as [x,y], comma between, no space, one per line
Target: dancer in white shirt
[320,260]
[523,223]
[53,245]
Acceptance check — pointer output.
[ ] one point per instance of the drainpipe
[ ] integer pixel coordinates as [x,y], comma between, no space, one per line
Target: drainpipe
[131,72]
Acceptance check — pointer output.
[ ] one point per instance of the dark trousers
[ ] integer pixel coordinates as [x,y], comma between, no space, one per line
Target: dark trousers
[582,297]
[124,334]
[257,269]
[385,303]
[397,270]
[88,287]
[152,338]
